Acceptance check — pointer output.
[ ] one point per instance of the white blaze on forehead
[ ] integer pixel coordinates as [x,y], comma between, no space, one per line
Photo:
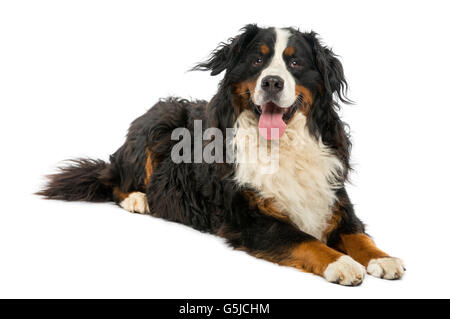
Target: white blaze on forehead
[277,66]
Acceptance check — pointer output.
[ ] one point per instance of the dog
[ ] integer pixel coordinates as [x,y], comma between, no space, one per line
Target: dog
[280,92]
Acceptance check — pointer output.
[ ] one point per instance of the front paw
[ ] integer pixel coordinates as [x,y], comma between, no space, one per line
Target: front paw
[386,268]
[345,271]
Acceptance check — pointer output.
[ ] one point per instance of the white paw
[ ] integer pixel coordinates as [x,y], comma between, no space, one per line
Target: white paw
[345,271]
[386,267]
[136,202]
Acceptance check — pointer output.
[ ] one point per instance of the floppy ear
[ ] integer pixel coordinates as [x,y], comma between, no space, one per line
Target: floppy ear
[330,69]
[227,54]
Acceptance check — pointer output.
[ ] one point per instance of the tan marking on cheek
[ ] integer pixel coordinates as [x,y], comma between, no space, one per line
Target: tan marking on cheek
[251,85]
[361,248]
[240,97]
[264,49]
[307,98]
[289,51]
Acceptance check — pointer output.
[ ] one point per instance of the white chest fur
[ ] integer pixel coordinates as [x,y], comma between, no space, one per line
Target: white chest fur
[304,179]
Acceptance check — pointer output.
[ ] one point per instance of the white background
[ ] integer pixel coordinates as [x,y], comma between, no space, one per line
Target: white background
[74,74]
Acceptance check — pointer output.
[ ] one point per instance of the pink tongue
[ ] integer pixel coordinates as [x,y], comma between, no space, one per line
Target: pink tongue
[271,124]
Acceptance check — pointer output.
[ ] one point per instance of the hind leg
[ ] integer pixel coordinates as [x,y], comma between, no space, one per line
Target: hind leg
[134,202]
[136,180]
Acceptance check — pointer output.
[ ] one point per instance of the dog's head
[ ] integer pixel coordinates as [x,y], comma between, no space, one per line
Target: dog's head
[276,73]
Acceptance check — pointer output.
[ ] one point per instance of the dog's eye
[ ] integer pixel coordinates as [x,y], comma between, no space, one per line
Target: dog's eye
[294,64]
[258,61]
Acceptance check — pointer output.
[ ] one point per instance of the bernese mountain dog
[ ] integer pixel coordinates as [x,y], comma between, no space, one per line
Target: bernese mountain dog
[263,164]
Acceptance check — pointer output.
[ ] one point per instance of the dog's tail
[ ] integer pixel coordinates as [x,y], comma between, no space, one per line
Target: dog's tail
[81,180]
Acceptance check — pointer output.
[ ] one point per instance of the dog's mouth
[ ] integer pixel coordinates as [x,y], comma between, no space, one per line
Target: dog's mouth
[273,119]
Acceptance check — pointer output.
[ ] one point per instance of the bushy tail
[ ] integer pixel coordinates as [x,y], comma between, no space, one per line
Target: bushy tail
[81,180]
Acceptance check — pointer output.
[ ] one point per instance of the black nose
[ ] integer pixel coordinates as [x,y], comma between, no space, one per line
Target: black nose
[272,84]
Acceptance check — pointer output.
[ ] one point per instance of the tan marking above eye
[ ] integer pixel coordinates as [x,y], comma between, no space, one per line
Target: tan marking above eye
[289,51]
[264,49]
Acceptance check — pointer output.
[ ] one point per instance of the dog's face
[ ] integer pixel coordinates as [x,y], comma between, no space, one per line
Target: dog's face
[276,73]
